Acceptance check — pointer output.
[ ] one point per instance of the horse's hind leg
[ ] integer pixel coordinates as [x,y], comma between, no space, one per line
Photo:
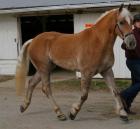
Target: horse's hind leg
[45,76]
[109,78]
[31,85]
[85,84]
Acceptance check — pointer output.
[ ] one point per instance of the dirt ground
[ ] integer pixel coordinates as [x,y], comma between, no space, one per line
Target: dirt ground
[97,113]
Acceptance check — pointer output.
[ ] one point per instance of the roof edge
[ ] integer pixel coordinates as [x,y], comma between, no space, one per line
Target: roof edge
[65,7]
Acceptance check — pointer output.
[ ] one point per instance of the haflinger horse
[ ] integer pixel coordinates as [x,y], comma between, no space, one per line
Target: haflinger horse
[89,51]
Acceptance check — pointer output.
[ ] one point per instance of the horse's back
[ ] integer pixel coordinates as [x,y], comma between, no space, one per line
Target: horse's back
[43,39]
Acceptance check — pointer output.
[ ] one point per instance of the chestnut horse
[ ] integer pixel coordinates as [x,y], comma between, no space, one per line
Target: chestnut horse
[90,52]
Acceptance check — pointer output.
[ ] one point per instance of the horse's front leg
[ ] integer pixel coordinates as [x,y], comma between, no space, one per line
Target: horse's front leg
[85,83]
[109,78]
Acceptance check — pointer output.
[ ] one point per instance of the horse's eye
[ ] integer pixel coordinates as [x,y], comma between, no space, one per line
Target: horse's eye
[122,22]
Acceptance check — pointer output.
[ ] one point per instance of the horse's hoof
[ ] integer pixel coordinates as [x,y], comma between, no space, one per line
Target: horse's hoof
[71,116]
[22,109]
[124,118]
[62,117]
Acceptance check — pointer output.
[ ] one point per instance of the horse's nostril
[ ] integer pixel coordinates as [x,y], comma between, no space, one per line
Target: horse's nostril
[132,44]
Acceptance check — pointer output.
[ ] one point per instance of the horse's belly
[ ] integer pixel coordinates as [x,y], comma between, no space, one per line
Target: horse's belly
[66,64]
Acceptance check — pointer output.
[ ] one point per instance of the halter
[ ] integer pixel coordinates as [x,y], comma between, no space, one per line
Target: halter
[123,36]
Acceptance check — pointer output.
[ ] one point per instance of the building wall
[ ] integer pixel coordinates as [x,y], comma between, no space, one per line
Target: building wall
[8,44]
[119,68]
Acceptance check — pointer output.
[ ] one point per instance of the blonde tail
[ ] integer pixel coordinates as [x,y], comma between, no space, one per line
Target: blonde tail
[22,68]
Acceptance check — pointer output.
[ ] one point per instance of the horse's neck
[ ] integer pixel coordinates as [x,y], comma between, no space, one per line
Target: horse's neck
[106,28]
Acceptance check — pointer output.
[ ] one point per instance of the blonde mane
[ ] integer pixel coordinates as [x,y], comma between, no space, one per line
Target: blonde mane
[124,13]
[104,14]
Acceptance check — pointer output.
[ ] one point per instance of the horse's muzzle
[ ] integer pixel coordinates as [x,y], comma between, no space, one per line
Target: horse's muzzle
[130,41]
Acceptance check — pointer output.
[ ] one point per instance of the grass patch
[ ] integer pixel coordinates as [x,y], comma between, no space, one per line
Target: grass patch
[120,83]
[72,84]
[97,84]
[135,117]
[5,78]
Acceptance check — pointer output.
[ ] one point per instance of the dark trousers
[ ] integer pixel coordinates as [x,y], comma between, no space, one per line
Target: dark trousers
[131,92]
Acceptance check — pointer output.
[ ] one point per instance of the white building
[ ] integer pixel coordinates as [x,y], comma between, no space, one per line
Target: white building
[21,20]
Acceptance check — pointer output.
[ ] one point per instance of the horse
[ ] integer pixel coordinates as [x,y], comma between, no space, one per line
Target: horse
[89,51]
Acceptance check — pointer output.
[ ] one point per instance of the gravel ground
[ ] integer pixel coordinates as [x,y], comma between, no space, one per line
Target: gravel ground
[97,113]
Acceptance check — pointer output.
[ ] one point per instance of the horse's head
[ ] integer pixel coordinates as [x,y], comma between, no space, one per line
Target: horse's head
[124,27]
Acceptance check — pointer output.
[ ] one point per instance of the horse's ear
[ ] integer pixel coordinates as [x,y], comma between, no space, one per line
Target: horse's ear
[121,7]
[129,6]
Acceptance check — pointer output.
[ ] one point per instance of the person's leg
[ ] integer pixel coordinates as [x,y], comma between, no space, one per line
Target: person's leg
[131,92]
